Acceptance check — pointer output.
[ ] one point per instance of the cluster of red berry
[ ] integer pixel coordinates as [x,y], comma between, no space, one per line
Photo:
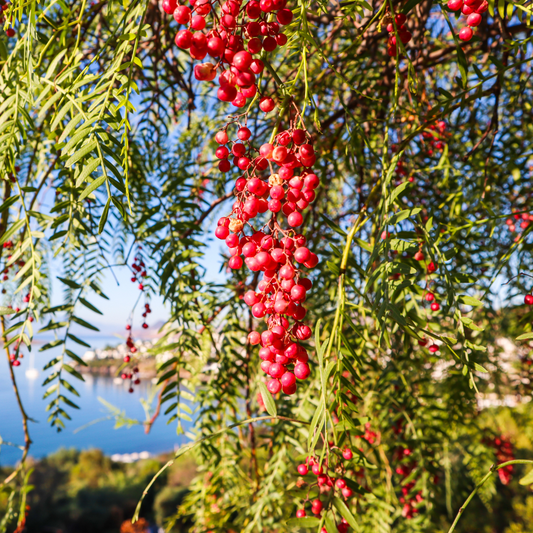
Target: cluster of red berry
[430,269]
[9,245]
[397,29]
[240,32]
[234,27]
[330,478]
[17,354]
[435,138]
[402,172]
[503,449]
[518,222]
[133,374]
[404,470]
[472,9]
[274,251]
[138,274]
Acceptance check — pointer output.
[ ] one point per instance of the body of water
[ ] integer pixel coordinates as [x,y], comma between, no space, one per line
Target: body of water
[46,440]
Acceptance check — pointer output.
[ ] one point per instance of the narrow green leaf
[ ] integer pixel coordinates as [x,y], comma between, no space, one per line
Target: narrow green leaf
[525,336]
[89,167]
[268,400]
[92,187]
[103,218]
[345,512]
[78,340]
[83,323]
[90,306]
[469,300]
[69,282]
[307,521]
[9,202]
[12,229]
[72,371]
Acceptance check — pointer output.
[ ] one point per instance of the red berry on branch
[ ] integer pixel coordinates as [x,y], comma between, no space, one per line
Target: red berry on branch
[474,19]
[302,470]
[169,6]
[266,104]
[274,386]
[455,5]
[466,34]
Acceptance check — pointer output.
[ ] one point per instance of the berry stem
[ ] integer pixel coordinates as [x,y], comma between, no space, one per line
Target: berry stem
[493,469]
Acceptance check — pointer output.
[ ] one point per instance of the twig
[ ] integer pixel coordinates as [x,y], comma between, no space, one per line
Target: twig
[25,417]
[149,423]
[493,468]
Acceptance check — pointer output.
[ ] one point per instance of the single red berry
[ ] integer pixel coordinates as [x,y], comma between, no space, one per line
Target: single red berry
[340,483]
[474,19]
[266,104]
[528,299]
[274,386]
[284,16]
[302,371]
[244,133]
[302,470]
[169,6]
[316,469]
[466,33]
[455,5]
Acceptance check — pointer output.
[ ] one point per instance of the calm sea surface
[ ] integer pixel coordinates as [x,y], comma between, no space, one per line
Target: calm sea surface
[101,435]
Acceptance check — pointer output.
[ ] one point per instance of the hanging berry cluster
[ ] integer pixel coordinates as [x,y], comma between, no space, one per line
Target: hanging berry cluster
[138,269]
[411,499]
[276,252]
[277,179]
[472,9]
[400,31]
[518,222]
[433,139]
[138,274]
[133,373]
[8,268]
[330,481]
[233,28]
[503,449]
